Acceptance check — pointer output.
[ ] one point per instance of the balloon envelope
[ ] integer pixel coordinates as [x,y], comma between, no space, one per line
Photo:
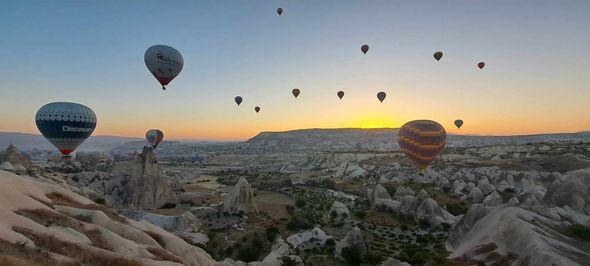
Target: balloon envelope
[66,125]
[365,48]
[438,55]
[421,141]
[381,96]
[257,109]
[458,123]
[164,62]
[279,11]
[154,137]
[238,100]
[340,94]
[481,65]
[296,92]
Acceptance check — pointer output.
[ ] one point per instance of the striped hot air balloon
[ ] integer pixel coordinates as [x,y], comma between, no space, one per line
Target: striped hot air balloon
[421,141]
[66,125]
[154,137]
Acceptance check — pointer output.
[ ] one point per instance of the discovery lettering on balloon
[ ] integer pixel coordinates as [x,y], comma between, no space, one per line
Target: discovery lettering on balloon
[76,129]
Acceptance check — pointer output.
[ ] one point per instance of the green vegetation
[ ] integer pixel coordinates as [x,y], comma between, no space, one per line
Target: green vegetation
[300,203]
[298,223]
[353,255]
[457,208]
[578,231]
[271,233]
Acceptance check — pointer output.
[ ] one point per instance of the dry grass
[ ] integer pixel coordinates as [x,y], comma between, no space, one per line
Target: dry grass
[164,255]
[80,254]
[59,199]
[48,218]
[156,237]
[19,255]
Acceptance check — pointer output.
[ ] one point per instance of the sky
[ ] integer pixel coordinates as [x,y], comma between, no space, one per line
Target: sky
[536,79]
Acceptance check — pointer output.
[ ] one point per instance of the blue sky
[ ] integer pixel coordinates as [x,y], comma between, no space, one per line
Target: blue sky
[536,80]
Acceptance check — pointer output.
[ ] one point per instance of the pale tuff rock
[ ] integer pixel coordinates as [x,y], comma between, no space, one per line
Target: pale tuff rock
[16,158]
[146,187]
[353,238]
[316,235]
[378,193]
[340,209]
[7,166]
[503,185]
[475,195]
[240,199]
[402,191]
[531,237]
[485,186]
[120,238]
[572,192]
[393,262]
[493,199]
[279,249]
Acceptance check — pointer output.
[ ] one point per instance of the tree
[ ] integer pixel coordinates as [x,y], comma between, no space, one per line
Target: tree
[353,255]
[300,203]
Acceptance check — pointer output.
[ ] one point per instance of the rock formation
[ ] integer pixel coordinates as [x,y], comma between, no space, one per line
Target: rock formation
[70,229]
[15,158]
[240,199]
[353,238]
[340,209]
[146,187]
[315,235]
[520,236]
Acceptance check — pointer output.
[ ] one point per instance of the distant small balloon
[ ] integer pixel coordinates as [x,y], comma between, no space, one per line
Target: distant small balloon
[458,123]
[365,48]
[340,94]
[238,100]
[154,137]
[257,109]
[481,65]
[381,96]
[279,11]
[296,92]
[438,55]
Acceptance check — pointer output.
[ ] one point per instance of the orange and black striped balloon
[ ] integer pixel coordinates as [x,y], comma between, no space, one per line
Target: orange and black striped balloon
[421,141]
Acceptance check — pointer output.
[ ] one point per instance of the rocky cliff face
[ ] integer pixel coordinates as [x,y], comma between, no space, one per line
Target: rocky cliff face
[146,187]
[240,198]
[13,156]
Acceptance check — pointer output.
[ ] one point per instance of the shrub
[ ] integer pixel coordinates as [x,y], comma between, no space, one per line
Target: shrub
[361,214]
[578,231]
[271,233]
[334,214]
[248,254]
[298,223]
[353,255]
[100,201]
[287,261]
[457,208]
[300,203]
[168,206]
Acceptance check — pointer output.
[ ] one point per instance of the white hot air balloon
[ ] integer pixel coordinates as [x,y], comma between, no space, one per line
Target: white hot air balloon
[164,62]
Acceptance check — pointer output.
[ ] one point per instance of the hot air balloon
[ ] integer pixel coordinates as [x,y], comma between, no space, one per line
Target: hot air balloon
[164,62]
[296,92]
[66,125]
[279,11]
[365,48]
[340,94]
[154,137]
[421,141]
[458,123]
[257,109]
[381,96]
[438,55]
[481,65]
[238,100]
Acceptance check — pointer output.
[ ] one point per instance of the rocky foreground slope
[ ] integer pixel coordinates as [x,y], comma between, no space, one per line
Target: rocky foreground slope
[45,224]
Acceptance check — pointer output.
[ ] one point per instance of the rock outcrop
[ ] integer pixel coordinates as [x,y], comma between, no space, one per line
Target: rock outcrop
[339,209]
[240,199]
[353,239]
[146,187]
[512,235]
[15,158]
[315,235]
[70,229]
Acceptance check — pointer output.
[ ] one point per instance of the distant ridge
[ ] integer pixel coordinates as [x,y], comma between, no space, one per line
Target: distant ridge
[28,141]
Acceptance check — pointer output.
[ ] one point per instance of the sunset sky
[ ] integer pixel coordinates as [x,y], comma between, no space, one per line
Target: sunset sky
[536,79]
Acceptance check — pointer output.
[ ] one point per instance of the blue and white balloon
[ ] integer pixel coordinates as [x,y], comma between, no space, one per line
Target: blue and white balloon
[66,125]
